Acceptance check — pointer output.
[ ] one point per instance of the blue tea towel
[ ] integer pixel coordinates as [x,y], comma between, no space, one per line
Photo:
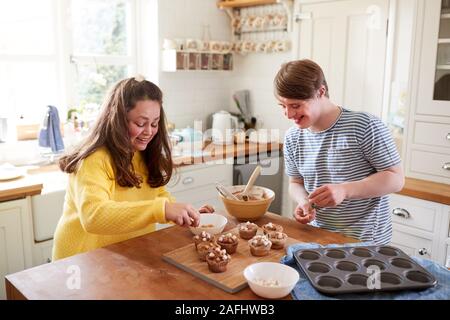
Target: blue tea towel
[50,134]
[303,290]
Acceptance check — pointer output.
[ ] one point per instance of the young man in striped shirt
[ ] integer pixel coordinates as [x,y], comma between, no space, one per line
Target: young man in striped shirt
[342,164]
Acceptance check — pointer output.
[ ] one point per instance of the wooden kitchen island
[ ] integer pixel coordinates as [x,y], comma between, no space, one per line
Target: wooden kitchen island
[134,269]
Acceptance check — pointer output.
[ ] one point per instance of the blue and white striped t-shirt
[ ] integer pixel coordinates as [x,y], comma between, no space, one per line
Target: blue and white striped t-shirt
[356,146]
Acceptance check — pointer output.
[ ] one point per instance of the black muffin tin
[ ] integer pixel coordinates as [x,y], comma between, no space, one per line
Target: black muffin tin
[348,269]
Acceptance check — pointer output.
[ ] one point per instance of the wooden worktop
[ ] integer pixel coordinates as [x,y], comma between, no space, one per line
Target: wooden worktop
[134,269]
[427,190]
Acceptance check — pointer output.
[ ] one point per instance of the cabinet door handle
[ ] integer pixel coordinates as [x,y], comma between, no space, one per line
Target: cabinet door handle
[446,166]
[188,180]
[448,136]
[400,212]
[423,251]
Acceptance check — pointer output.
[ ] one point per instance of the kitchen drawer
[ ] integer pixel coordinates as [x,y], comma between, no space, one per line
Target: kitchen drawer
[415,213]
[433,134]
[200,176]
[197,196]
[412,244]
[430,163]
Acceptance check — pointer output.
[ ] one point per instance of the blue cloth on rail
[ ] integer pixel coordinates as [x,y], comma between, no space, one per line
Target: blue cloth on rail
[303,290]
[50,133]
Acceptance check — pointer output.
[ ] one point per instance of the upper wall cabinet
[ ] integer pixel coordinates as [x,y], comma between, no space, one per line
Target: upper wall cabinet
[434,81]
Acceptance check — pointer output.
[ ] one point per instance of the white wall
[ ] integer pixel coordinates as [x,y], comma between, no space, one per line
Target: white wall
[192,95]
[256,72]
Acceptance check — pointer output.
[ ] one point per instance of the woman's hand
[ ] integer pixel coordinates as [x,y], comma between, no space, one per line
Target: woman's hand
[206,209]
[304,213]
[328,195]
[182,214]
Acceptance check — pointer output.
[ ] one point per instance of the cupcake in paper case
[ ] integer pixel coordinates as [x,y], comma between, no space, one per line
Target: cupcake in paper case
[272,227]
[260,245]
[203,237]
[247,230]
[204,248]
[229,242]
[218,260]
[278,239]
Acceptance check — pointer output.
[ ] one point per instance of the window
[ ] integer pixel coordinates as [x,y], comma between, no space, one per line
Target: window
[65,53]
[28,58]
[102,46]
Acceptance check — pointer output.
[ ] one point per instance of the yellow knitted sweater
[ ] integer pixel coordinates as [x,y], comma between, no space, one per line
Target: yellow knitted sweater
[98,212]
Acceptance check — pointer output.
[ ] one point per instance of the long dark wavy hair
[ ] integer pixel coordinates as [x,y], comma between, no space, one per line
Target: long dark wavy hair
[111,131]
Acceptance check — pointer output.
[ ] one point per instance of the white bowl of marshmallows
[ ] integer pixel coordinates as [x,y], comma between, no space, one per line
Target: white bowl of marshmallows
[271,280]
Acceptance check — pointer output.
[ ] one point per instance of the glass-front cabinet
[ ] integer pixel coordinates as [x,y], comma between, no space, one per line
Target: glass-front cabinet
[442,78]
[434,82]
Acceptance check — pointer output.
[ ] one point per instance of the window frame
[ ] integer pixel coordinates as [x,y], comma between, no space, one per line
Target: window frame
[71,60]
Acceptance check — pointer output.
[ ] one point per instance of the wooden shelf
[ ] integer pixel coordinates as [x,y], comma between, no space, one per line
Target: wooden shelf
[244,3]
[231,6]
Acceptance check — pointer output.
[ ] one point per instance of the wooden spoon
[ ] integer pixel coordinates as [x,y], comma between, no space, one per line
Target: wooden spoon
[245,194]
[225,192]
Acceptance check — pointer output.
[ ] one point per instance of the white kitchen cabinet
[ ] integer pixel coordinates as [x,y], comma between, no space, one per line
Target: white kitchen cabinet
[195,184]
[42,252]
[419,227]
[428,146]
[47,209]
[13,247]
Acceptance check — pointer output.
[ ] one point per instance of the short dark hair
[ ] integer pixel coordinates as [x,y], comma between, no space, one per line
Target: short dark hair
[299,79]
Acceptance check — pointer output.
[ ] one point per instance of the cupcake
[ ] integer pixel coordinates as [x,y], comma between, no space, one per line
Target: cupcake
[247,230]
[217,260]
[271,227]
[203,237]
[278,239]
[204,248]
[229,242]
[259,245]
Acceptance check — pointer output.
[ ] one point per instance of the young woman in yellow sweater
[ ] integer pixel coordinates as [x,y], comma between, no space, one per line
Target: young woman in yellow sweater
[117,175]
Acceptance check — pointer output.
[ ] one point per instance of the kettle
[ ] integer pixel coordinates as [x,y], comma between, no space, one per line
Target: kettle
[223,127]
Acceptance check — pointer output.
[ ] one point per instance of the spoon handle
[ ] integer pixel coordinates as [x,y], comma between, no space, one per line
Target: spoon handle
[225,192]
[252,180]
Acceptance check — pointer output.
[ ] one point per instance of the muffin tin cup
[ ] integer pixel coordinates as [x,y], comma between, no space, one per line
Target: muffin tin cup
[362,269]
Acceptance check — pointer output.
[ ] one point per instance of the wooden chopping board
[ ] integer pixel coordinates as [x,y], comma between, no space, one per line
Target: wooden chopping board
[232,280]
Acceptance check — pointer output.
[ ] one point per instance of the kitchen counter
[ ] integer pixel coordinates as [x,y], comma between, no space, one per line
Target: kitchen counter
[47,178]
[43,179]
[134,269]
[427,190]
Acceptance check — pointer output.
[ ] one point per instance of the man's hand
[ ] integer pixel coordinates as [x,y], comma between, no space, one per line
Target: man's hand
[328,195]
[304,213]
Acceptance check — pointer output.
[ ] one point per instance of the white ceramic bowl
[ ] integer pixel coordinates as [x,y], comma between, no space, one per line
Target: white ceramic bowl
[286,277]
[217,221]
